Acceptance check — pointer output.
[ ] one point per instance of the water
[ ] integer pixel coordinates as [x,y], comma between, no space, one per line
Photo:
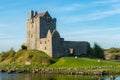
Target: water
[5,76]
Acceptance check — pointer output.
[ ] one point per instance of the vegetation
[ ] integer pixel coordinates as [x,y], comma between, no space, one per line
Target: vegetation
[114,50]
[24,56]
[23,47]
[7,56]
[96,52]
[82,62]
[113,53]
[39,59]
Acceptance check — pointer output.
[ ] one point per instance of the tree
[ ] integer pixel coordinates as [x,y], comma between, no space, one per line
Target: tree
[97,52]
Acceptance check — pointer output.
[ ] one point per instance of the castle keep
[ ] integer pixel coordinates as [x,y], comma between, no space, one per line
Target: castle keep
[42,35]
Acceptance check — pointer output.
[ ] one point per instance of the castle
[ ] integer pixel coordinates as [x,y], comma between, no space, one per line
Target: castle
[42,35]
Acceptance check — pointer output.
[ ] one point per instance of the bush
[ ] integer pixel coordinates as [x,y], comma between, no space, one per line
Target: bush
[114,50]
[24,47]
[97,52]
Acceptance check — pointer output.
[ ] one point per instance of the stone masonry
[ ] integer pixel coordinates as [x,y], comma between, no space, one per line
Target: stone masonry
[42,35]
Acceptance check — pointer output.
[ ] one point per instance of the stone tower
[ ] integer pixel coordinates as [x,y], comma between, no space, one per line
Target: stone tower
[42,35]
[40,28]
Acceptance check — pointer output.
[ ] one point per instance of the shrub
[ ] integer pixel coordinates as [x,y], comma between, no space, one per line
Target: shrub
[114,50]
[24,47]
[97,52]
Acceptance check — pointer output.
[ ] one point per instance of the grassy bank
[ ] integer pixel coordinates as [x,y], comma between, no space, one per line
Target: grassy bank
[23,56]
[82,62]
[42,63]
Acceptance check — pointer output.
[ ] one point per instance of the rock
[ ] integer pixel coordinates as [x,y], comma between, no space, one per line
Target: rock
[2,70]
[11,71]
[112,77]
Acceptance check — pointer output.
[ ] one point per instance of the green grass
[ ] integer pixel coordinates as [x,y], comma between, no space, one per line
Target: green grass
[22,56]
[87,65]
[82,62]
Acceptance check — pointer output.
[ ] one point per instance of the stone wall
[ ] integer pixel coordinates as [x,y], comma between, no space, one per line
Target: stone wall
[56,44]
[77,47]
[45,44]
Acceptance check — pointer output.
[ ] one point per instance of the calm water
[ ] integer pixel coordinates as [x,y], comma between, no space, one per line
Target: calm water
[5,76]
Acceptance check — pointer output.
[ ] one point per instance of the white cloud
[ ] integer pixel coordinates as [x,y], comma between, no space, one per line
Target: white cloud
[6,36]
[71,7]
[91,31]
[96,15]
[106,1]
[8,44]
[107,37]
[113,8]
[3,25]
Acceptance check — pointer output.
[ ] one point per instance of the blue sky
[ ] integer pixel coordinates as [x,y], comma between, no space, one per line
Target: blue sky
[80,20]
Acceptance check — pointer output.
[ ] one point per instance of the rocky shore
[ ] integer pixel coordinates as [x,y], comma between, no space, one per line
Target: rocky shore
[64,71]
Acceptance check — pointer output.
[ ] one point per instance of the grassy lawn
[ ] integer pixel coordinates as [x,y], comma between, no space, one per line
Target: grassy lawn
[82,62]
[87,65]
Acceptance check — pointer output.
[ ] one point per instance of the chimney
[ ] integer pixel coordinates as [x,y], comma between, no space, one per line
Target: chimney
[31,14]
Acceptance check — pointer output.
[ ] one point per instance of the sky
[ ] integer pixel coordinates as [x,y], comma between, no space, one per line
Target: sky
[95,21]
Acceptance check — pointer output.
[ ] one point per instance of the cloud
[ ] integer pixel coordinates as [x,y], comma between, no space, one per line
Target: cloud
[71,7]
[110,8]
[6,36]
[91,31]
[106,1]
[8,44]
[96,15]
[3,25]
[107,37]
[78,6]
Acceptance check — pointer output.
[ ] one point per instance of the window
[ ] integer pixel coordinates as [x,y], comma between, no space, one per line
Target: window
[45,42]
[31,35]
[40,42]
[45,48]
[32,26]
[71,50]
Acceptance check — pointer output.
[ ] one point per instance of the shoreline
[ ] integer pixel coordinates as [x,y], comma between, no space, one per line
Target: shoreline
[62,71]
